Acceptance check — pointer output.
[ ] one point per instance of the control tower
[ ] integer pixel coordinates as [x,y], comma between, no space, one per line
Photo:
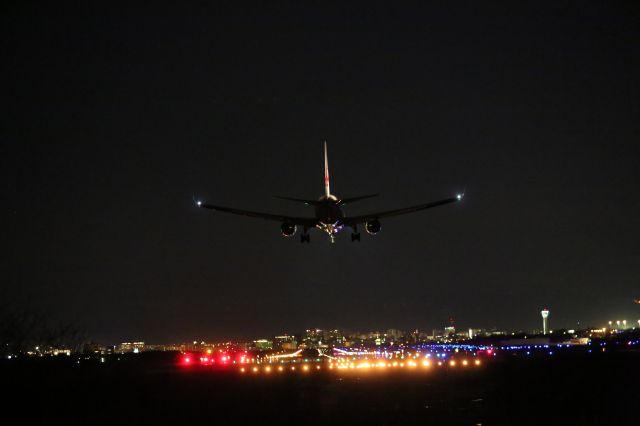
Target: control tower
[545,314]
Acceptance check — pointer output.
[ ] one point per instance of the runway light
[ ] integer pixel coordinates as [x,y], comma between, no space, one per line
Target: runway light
[293,368]
[242,370]
[318,367]
[305,368]
[464,362]
[267,369]
[425,363]
[477,362]
[255,369]
[452,363]
[280,368]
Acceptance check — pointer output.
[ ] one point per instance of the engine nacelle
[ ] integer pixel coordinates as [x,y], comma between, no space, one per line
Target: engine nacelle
[373,226]
[288,229]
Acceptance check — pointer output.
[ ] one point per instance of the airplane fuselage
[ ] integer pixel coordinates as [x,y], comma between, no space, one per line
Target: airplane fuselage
[329,215]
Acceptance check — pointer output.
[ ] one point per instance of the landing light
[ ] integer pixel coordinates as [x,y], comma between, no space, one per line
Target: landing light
[199,203]
[459,197]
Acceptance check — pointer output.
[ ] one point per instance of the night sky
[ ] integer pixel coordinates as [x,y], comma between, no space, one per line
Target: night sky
[113,118]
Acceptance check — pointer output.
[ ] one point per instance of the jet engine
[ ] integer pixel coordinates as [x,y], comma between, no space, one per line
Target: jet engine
[373,226]
[288,229]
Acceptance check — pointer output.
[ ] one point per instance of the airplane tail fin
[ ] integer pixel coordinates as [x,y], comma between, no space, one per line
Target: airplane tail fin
[350,200]
[327,191]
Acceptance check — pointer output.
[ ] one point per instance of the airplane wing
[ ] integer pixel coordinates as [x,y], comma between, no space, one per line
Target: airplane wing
[304,221]
[350,221]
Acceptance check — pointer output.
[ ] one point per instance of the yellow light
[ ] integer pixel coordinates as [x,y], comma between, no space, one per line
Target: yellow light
[464,362]
[318,367]
[293,368]
[425,363]
[395,364]
[267,369]
[477,362]
[439,362]
[305,368]
[255,369]
[280,368]
[242,370]
[402,364]
[209,351]
[452,363]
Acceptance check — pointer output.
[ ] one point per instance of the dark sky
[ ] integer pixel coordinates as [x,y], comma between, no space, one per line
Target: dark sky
[113,118]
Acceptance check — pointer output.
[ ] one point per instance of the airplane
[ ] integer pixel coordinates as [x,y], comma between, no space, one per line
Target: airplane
[328,213]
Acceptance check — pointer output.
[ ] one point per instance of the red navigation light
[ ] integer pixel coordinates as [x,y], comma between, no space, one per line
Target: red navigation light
[489,351]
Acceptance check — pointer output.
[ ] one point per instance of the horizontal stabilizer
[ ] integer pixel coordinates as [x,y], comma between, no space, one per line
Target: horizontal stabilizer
[298,200]
[344,201]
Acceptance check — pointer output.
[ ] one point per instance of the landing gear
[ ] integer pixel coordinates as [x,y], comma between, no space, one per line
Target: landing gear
[305,238]
[355,235]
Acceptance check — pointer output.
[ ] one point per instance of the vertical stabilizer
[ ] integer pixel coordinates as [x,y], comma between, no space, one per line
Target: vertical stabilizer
[327,192]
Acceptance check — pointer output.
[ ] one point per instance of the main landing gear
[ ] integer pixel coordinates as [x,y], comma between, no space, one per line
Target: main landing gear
[355,235]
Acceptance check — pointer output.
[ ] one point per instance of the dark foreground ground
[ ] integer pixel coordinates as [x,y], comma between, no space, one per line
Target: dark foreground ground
[602,389]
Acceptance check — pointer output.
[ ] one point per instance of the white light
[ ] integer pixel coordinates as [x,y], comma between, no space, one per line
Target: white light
[199,203]
[459,196]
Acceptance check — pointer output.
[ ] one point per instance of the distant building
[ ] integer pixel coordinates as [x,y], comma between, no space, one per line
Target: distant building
[127,347]
[545,315]
[93,348]
[263,344]
[285,342]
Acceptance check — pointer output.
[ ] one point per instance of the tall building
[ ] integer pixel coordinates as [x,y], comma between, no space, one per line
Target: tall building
[545,314]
